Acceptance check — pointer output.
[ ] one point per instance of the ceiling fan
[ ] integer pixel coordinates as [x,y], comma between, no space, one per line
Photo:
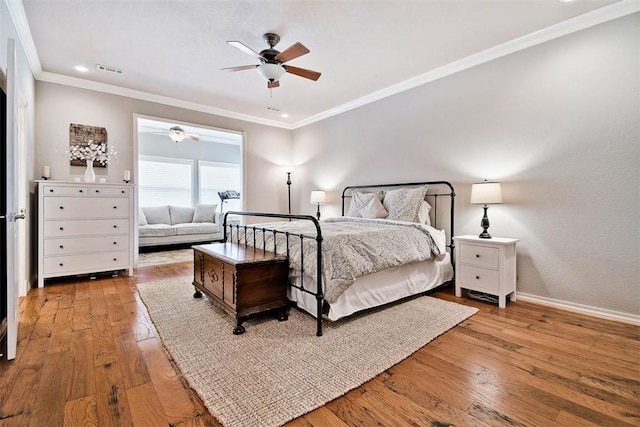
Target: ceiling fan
[272,62]
[177,134]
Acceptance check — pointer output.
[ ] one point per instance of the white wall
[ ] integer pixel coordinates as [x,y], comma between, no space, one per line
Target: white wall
[557,124]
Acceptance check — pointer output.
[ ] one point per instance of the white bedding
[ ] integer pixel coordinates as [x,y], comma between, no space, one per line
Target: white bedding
[376,289]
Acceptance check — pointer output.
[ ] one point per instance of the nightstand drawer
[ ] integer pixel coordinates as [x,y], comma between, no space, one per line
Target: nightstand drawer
[481,256]
[480,279]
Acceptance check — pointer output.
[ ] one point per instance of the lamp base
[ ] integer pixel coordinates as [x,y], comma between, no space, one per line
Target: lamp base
[318,212]
[484,223]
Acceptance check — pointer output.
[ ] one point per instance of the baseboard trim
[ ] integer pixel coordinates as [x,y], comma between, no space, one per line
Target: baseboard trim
[602,313]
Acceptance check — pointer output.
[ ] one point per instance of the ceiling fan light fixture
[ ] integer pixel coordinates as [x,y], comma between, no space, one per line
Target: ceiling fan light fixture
[176,134]
[271,72]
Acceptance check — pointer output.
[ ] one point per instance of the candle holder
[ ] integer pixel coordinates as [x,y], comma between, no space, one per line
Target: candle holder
[45,178]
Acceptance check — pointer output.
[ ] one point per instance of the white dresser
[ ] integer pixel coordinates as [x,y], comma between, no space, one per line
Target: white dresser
[84,228]
[486,265]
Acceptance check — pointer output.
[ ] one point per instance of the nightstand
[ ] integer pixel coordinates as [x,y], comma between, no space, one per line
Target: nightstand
[486,265]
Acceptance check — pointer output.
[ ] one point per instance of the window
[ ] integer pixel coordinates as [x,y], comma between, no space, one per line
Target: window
[218,176]
[165,181]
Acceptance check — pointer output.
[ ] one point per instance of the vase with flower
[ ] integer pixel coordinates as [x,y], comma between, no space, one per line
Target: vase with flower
[90,153]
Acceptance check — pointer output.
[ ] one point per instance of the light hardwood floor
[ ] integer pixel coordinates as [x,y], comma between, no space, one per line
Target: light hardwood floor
[89,355]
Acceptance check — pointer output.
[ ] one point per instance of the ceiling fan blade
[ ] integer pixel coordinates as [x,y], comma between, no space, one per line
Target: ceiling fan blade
[196,138]
[240,68]
[292,52]
[246,49]
[271,85]
[302,72]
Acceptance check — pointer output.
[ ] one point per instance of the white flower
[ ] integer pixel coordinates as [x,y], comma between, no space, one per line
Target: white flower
[91,152]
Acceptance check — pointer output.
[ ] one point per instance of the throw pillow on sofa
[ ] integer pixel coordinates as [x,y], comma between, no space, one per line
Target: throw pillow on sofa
[142,219]
[205,213]
[181,214]
[157,214]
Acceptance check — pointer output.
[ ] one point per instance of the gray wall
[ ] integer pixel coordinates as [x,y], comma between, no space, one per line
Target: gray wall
[266,148]
[557,124]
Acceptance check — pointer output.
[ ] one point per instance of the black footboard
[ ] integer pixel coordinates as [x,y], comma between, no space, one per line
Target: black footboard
[256,236]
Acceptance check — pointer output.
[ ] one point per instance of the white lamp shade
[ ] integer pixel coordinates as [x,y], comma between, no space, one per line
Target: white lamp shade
[318,197]
[271,72]
[486,193]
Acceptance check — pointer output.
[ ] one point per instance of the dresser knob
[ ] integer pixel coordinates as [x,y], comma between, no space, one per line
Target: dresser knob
[61,207]
[61,265]
[61,228]
[115,243]
[50,190]
[122,191]
[478,277]
[97,191]
[61,247]
[80,191]
[115,259]
[477,255]
[115,226]
[115,207]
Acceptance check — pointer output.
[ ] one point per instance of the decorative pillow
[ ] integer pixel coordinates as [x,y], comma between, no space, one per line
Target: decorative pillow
[157,214]
[423,213]
[142,220]
[359,200]
[374,209]
[403,204]
[181,214]
[205,213]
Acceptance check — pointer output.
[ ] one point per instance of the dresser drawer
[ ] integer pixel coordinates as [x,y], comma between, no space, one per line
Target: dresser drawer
[69,264]
[80,245]
[76,207]
[481,256]
[61,190]
[85,227]
[480,279]
[110,191]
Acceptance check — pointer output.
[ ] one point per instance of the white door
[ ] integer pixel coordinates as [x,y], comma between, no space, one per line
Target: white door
[10,216]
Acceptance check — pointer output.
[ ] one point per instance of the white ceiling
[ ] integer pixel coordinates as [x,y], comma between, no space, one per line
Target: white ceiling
[172,51]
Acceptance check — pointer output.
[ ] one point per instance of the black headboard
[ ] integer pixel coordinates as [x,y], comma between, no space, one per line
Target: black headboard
[441,216]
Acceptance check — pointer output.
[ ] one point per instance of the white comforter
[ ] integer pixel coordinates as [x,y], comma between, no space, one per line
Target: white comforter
[352,247]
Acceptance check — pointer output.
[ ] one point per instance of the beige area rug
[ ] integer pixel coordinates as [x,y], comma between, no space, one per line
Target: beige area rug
[147,259]
[278,371]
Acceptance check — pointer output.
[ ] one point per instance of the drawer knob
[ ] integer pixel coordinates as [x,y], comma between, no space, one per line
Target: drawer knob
[212,275]
[80,191]
[477,255]
[122,191]
[115,226]
[61,265]
[115,243]
[61,247]
[61,208]
[115,259]
[51,190]
[97,191]
[61,228]
[115,207]
[478,277]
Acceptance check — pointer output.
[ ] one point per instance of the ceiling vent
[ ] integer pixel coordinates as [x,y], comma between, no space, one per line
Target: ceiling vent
[109,69]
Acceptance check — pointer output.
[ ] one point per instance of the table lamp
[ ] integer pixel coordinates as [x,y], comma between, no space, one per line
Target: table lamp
[486,193]
[318,197]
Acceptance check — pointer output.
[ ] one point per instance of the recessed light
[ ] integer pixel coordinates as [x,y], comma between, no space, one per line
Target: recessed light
[81,68]
[284,115]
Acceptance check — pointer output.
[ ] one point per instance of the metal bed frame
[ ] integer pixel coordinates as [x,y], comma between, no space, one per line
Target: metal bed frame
[253,233]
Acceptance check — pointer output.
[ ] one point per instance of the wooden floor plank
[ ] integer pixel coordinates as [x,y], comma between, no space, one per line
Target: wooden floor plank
[88,354]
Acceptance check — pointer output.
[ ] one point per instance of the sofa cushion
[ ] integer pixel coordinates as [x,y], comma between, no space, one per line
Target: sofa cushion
[142,219]
[196,228]
[180,214]
[157,214]
[156,230]
[205,213]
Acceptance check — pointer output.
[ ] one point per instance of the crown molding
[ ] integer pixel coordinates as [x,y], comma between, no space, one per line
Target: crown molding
[19,18]
[151,97]
[578,23]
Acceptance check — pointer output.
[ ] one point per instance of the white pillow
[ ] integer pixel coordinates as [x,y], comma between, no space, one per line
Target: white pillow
[359,200]
[374,209]
[142,220]
[181,214]
[205,213]
[157,214]
[403,204]
[423,213]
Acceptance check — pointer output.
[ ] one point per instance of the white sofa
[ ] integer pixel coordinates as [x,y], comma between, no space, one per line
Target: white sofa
[172,225]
